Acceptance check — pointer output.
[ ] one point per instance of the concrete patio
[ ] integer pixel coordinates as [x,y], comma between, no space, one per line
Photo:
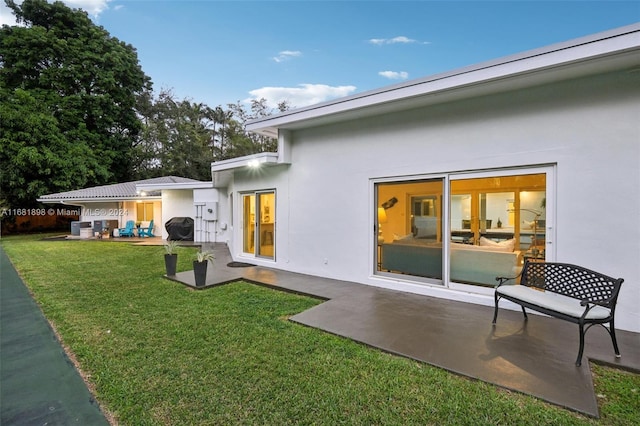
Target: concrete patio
[534,357]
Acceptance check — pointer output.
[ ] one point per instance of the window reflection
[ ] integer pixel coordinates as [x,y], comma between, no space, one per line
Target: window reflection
[495,223]
[409,221]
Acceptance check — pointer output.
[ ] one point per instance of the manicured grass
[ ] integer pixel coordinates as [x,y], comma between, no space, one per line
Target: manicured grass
[156,352]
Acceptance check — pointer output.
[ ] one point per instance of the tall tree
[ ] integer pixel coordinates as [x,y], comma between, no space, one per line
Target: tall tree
[221,121]
[176,138]
[243,142]
[182,138]
[71,82]
[35,156]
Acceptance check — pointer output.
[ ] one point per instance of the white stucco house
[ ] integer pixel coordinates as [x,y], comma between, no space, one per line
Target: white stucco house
[435,186]
[156,199]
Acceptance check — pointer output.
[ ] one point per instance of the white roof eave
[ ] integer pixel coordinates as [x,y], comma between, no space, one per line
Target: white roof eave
[181,185]
[222,171]
[254,160]
[74,201]
[575,58]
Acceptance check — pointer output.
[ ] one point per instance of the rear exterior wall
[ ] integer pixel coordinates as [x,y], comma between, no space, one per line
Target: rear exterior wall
[587,129]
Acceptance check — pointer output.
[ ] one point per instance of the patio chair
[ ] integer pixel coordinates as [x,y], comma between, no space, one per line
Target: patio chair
[127,231]
[146,232]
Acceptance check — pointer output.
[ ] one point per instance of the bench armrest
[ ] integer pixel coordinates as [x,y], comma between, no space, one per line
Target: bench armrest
[590,302]
[503,280]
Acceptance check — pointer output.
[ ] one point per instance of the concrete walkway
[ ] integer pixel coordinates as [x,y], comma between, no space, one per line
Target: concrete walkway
[38,383]
[535,357]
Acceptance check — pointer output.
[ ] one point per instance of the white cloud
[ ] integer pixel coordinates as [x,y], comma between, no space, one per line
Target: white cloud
[395,40]
[378,41]
[300,96]
[286,55]
[394,75]
[93,7]
[401,39]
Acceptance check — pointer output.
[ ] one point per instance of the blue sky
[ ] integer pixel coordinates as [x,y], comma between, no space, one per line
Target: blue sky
[220,52]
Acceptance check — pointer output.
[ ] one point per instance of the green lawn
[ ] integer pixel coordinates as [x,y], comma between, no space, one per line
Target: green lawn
[155,352]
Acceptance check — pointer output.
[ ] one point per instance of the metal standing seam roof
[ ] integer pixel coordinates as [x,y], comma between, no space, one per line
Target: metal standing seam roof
[126,190]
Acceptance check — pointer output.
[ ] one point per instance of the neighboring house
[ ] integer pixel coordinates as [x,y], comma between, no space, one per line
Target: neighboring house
[436,185]
[157,199]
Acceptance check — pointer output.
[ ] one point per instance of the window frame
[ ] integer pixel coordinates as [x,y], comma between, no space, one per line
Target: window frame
[447,178]
[258,209]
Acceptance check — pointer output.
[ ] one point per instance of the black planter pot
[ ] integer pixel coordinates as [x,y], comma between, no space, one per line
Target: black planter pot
[200,273]
[170,262]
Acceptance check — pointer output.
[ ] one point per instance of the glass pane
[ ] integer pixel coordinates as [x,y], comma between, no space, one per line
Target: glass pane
[502,222]
[266,226]
[409,228]
[249,223]
[496,214]
[461,219]
[144,212]
[148,211]
[533,221]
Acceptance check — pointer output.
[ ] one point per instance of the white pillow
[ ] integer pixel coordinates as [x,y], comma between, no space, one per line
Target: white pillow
[458,246]
[507,245]
[397,237]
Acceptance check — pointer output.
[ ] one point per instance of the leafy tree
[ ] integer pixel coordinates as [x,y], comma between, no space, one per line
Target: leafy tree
[175,139]
[35,155]
[66,83]
[222,120]
[245,143]
[182,138]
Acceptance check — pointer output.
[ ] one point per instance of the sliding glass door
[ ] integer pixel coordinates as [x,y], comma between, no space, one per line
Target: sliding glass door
[409,223]
[465,228]
[495,223]
[259,219]
[248,223]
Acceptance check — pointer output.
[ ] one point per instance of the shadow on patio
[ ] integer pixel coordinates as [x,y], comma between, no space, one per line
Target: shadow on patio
[534,357]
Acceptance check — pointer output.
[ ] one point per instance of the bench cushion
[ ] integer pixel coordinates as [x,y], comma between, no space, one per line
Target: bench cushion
[552,301]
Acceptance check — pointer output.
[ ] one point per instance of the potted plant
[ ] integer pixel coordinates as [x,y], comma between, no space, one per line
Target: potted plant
[200,267]
[170,257]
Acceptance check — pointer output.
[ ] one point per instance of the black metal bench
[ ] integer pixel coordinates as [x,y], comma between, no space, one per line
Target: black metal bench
[564,291]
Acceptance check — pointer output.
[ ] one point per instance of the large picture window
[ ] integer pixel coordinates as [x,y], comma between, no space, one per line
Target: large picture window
[482,226]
